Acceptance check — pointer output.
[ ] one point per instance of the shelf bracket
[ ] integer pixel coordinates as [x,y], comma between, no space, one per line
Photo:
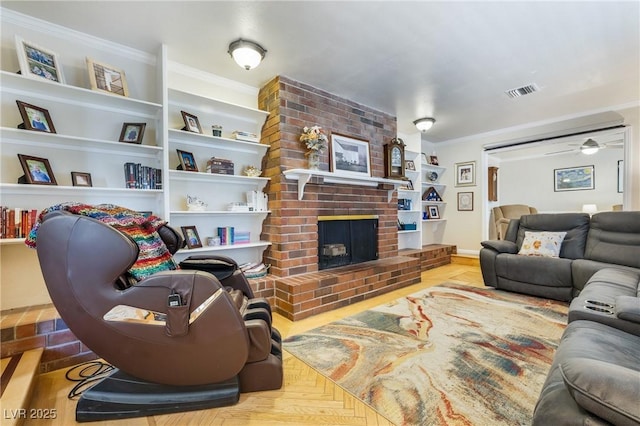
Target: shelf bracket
[302,181]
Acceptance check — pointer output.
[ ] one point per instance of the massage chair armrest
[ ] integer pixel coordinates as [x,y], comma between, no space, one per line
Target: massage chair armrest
[500,246]
[157,288]
[259,339]
[628,308]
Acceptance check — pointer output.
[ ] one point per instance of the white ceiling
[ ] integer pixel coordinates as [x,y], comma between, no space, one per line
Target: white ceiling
[449,60]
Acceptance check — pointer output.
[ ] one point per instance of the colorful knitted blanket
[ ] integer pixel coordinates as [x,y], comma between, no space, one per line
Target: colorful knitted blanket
[154,255]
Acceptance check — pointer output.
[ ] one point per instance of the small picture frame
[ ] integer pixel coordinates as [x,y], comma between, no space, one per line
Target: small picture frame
[132,132]
[36,170]
[191,122]
[433,160]
[191,236]
[37,62]
[465,173]
[35,118]
[465,201]
[433,212]
[407,185]
[187,161]
[410,165]
[81,179]
[106,78]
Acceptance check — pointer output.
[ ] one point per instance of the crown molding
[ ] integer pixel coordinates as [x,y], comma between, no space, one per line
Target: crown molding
[537,124]
[48,28]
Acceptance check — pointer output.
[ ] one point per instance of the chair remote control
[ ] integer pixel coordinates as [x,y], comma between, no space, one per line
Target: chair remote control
[175,300]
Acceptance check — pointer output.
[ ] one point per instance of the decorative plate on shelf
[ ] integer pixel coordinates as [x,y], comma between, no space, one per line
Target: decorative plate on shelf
[432,176]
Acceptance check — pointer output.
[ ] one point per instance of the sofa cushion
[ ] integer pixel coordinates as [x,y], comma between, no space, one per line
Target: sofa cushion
[607,390]
[545,244]
[614,238]
[545,271]
[576,225]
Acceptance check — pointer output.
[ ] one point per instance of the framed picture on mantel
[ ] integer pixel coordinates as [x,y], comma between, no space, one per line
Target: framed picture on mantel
[350,156]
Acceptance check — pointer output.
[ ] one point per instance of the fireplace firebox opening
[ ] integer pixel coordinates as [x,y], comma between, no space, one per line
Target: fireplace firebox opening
[346,240]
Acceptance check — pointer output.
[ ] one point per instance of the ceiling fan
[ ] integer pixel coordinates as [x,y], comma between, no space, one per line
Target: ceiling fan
[588,147]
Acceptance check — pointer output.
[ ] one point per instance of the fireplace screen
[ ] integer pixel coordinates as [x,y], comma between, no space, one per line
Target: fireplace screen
[346,241]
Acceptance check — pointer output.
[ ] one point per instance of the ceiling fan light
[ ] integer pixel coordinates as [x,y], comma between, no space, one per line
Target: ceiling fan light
[589,147]
[424,124]
[246,53]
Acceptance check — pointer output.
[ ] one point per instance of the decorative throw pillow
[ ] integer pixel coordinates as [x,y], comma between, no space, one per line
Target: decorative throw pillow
[545,244]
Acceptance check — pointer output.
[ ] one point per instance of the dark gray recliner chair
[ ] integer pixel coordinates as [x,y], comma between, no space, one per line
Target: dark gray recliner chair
[551,278]
[199,352]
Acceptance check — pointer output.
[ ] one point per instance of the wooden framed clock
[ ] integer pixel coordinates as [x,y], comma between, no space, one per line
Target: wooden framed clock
[394,159]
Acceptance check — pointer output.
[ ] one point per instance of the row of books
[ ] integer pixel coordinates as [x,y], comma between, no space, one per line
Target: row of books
[16,222]
[228,235]
[142,177]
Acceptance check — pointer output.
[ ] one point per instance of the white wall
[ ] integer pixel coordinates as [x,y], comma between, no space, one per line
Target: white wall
[467,229]
[531,182]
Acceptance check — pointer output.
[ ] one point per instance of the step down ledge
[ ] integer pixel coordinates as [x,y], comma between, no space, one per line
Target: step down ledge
[19,386]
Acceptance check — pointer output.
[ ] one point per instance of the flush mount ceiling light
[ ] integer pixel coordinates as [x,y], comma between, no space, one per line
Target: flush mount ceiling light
[424,124]
[246,53]
[589,147]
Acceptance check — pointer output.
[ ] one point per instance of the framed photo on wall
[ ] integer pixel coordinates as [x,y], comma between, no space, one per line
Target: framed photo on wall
[465,201]
[465,173]
[349,156]
[620,175]
[36,170]
[35,118]
[574,178]
[106,78]
[38,62]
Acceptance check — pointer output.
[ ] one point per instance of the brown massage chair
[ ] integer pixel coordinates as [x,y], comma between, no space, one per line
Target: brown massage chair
[179,340]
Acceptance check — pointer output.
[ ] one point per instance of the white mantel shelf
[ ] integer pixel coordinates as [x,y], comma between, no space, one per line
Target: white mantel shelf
[303,176]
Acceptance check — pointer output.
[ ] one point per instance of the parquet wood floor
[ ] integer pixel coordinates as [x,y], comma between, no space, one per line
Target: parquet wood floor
[306,398]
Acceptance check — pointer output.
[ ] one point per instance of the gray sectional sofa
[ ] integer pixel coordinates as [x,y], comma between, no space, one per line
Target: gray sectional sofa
[595,375]
[604,240]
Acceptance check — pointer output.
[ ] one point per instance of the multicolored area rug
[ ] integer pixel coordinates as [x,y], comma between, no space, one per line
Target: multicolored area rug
[448,355]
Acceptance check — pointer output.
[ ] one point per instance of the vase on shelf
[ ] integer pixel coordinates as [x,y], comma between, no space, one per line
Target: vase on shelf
[313,162]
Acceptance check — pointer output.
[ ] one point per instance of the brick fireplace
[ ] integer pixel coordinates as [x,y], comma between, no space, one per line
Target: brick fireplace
[292,226]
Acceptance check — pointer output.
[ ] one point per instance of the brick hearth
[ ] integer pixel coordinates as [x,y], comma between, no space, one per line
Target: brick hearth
[304,295]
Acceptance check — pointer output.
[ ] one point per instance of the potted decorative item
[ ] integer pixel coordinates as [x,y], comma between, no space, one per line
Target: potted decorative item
[316,143]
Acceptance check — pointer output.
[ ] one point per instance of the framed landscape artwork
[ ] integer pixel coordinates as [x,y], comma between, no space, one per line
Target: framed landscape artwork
[350,156]
[574,178]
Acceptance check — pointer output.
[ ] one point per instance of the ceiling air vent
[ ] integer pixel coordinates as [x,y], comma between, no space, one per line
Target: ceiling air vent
[521,91]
